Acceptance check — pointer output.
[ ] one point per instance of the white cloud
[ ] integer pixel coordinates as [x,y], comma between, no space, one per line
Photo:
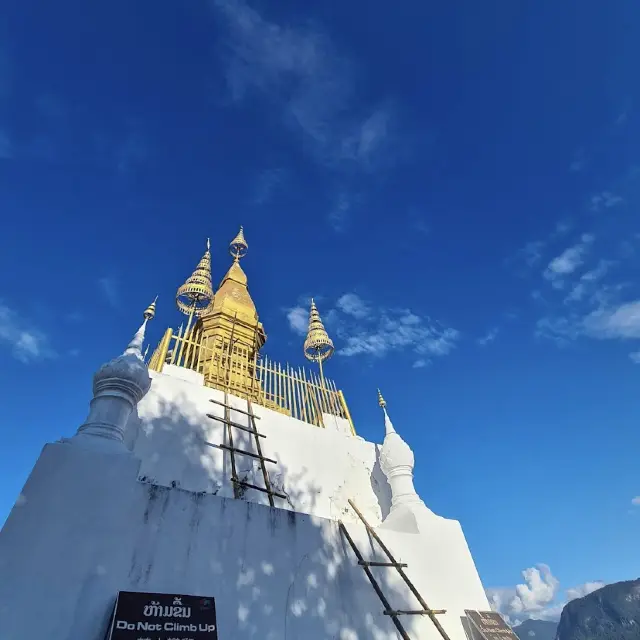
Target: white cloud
[267,183]
[568,261]
[353,305]
[560,329]
[635,501]
[339,213]
[298,70]
[367,139]
[490,336]
[298,318]
[364,329]
[388,330]
[635,357]
[588,281]
[537,598]
[604,200]
[579,161]
[109,286]
[532,252]
[584,589]
[621,321]
[27,343]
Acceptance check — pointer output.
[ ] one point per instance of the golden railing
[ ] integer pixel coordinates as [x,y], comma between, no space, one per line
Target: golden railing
[231,367]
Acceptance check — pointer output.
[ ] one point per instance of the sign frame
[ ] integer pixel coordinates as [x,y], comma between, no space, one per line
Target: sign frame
[496,629]
[162,616]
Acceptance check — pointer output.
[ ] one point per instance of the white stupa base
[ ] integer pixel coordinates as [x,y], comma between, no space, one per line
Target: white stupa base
[85,528]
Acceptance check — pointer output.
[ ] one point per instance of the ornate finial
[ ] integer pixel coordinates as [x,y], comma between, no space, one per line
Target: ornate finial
[150,311]
[318,346]
[238,247]
[196,294]
[381,401]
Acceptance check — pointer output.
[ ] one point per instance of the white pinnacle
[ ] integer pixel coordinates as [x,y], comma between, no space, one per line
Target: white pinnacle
[397,462]
[118,386]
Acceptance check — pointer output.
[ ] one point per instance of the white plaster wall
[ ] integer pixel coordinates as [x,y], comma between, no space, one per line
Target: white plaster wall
[319,469]
[85,527]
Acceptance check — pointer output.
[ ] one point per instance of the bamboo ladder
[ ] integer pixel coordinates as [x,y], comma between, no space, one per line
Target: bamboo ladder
[399,567]
[251,428]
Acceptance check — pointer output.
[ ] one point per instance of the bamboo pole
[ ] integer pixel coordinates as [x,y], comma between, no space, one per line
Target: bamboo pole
[346,411]
[174,351]
[164,348]
[294,389]
[289,405]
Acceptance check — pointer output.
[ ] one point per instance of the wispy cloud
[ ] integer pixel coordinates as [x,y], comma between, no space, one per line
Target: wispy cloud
[353,305]
[621,322]
[634,356]
[298,318]
[635,501]
[588,282]
[267,183]
[110,290]
[299,70]
[298,73]
[490,336]
[568,261]
[339,214]
[538,597]
[604,200]
[579,161]
[27,343]
[362,328]
[533,252]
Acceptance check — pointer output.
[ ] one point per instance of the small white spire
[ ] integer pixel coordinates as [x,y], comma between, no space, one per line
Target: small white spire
[135,346]
[118,386]
[388,425]
[397,461]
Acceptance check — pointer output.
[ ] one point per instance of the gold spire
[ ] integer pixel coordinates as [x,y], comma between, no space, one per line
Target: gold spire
[150,311]
[318,346]
[238,247]
[231,327]
[196,294]
[233,294]
[381,401]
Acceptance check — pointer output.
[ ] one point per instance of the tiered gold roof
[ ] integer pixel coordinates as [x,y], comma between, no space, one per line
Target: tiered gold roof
[224,343]
[150,311]
[238,247]
[318,346]
[196,294]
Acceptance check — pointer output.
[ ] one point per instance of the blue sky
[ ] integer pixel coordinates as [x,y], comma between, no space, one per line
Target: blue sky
[456,183]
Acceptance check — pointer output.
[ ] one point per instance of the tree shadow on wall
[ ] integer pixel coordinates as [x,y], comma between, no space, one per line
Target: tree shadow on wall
[275,574]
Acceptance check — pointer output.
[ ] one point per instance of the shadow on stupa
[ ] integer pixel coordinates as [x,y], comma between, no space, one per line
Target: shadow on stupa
[275,574]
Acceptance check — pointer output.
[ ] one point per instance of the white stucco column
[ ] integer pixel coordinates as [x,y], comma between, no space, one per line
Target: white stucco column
[396,462]
[118,386]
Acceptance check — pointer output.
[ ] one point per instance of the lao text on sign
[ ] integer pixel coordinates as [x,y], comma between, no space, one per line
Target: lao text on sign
[489,625]
[163,616]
